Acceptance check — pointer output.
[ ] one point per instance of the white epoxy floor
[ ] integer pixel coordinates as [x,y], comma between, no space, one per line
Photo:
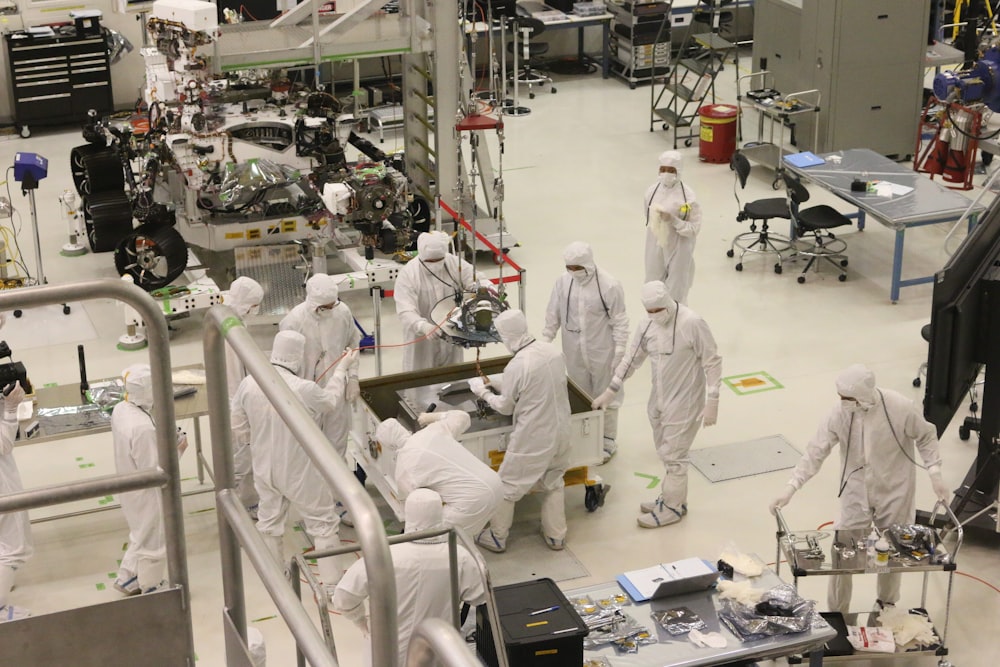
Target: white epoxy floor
[575,169]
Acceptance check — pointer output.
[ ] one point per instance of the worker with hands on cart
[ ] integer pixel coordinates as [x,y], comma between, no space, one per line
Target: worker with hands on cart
[283,472]
[433,458]
[245,297]
[673,220]
[15,528]
[434,276]
[328,326]
[423,577]
[133,433]
[534,391]
[588,304]
[686,374]
[877,431]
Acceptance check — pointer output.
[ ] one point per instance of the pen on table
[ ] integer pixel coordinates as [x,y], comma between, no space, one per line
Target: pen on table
[564,630]
[543,611]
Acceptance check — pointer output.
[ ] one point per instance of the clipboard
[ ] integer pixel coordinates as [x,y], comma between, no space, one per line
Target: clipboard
[804,159]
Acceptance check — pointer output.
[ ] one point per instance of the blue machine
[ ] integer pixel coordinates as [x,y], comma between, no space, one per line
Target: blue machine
[30,164]
[979,84]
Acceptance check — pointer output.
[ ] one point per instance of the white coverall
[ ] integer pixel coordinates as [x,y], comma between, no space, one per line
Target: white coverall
[134,436]
[328,333]
[433,458]
[245,296]
[589,307]
[423,580]
[670,234]
[422,285]
[686,367]
[15,528]
[877,440]
[535,393]
[283,472]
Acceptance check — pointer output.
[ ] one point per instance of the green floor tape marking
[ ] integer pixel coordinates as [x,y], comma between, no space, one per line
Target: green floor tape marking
[262,618]
[654,481]
[297,528]
[79,458]
[207,509]
[102,587]
[751,383]
[112,575]
[105,500]
[86,465]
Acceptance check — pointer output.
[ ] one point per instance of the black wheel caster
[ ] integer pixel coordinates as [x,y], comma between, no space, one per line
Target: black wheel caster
[739,267]
[631,86]
[66,309]
[17,313]
[778,269]
[801,279]
[973,407]
[687,143]
[553,90]
[842,277]
[776,185]
[843,262]
[594,495]
[531,96]
[916,382]
[963,433]
[730,253]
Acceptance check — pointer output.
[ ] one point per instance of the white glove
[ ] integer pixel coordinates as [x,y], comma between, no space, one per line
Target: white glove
[350,359]
[424,327]
[604,400]
[941,489]
[428,418]
[547,339]
[783,499]
[182,442]
[353,390]
[710,414]
[12,400]
[477,386]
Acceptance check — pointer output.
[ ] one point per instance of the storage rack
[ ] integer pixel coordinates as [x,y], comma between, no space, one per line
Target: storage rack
[640,40]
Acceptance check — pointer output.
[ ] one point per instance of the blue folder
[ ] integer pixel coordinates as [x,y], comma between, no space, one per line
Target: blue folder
[804,159]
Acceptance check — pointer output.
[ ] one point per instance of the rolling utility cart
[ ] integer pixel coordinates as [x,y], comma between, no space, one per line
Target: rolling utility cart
[774,109]
[813,553]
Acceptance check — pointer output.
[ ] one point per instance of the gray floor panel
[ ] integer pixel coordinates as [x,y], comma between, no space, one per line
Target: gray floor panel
[743,459]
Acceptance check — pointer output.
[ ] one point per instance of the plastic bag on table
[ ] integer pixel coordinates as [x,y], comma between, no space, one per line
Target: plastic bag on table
[679,620]
[791,614]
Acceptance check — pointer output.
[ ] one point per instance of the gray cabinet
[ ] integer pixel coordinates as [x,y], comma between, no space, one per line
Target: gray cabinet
[864,56]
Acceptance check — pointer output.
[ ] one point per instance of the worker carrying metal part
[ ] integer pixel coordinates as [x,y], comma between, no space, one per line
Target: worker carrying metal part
[686,374]
[673,220]
[588,304]
[877,431]
[434,276]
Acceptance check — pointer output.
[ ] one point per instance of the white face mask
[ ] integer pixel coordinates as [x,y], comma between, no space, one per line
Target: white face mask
[662,318]
[254,310]
[580,276]
[668,179]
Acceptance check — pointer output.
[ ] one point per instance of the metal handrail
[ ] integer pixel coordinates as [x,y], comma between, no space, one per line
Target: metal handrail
[167,475]
[222,326]
[435,642]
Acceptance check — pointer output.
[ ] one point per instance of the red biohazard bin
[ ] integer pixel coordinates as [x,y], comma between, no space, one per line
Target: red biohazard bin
[718,133]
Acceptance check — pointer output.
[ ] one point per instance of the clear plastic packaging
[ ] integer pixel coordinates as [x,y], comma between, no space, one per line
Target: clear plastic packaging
[780,611]
[678,621]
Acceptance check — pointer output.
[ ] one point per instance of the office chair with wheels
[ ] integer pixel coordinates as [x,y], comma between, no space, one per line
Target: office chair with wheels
[811,226]
[527,52]
[760,210]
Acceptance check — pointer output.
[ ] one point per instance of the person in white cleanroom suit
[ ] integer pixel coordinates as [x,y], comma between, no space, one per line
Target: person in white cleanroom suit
[433,459]
[588,304]
[673,219]
[245,296]
[328,325]
[283,472]
[143,567]
[433,277]
[15,528]
[534,392]
[423,579]
[686,375]
[877,431]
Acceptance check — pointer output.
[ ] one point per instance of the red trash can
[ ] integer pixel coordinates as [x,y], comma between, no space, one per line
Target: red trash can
[718,133]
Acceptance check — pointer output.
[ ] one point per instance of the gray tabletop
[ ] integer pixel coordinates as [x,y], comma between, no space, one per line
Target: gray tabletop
[929,201]
[679,651]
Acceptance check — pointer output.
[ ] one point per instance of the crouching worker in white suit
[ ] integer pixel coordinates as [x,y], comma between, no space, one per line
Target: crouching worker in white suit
[423,580]
[283,472]
[15,529]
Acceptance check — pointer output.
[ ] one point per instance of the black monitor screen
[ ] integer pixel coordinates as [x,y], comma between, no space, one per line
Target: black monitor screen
[958,339]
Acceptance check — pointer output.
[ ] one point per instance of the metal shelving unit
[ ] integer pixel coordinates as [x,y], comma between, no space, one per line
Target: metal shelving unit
[640,40]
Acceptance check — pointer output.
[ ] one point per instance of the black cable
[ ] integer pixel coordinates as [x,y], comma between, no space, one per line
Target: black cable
[967,135]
